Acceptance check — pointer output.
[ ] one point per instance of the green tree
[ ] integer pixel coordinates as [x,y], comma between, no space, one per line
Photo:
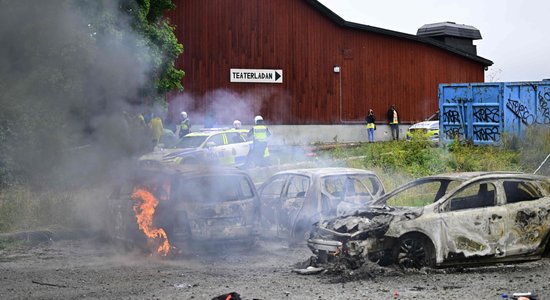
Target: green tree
[68,72]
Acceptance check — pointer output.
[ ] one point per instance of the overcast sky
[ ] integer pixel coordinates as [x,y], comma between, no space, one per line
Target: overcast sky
[516,33]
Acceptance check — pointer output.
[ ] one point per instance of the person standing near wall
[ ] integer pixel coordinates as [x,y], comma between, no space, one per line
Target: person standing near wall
[370,125]
[393,120]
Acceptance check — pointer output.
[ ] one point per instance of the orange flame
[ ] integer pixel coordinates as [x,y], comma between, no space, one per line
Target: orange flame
[144,214]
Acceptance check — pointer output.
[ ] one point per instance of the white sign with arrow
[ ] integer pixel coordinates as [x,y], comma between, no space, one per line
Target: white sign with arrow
[256,75]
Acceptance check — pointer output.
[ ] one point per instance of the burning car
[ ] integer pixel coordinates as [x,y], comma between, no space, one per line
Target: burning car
[220,146]
[293,200]
[443,220]
[181,207]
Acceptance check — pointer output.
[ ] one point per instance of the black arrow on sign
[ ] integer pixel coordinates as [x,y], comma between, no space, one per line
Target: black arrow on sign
[277,76]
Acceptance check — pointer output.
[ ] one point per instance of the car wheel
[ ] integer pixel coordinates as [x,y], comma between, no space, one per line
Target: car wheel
[414,251]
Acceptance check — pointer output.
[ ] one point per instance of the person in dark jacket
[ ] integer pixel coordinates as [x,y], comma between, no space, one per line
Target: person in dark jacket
[370,125]
[393,120]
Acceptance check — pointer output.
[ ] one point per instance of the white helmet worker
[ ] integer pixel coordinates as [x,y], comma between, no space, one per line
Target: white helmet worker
[237,124]
[184,115]
[258,118]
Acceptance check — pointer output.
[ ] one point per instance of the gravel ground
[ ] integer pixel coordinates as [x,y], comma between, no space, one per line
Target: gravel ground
[88,268]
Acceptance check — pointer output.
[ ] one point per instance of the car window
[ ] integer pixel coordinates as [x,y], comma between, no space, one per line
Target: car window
[234,138]
[275,187]
[419,195]
[214,189]
[217,139]
[297,186]
[517,191]
[475,195]
[191,141]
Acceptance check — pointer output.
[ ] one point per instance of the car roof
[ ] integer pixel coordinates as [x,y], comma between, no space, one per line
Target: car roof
[464,176]
[211,131]
[326,171]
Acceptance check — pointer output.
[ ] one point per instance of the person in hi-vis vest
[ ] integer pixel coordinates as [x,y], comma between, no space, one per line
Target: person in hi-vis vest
[259,133]
[393,120]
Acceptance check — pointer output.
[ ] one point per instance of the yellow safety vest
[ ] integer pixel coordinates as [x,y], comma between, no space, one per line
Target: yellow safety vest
[260,133]
[395,120]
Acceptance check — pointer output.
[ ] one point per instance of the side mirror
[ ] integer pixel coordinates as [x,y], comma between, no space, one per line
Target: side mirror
[210,144]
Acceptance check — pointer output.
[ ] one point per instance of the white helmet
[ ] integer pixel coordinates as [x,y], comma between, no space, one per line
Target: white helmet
[237,124]
[184,115]
[258,118]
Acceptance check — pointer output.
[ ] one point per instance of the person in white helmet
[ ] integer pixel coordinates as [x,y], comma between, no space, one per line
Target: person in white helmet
[236,124]
[259,133]
[185,125]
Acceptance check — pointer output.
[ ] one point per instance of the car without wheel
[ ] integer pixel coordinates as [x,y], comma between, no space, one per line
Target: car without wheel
[469,218]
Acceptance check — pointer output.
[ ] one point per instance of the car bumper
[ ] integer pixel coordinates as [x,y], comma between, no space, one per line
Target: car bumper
[328,246]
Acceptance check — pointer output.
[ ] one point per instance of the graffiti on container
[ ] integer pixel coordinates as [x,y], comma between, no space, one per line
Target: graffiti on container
[487,133]
[528,118]
[544,117]
[487,115]
[451,116]
[521,111]
[453,132]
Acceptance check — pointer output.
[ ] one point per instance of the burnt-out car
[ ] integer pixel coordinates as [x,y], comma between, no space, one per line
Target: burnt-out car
[451,219]
[186,206]
[293,200]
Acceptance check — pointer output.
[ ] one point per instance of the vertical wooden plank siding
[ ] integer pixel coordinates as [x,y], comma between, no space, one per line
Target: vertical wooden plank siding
[377,70]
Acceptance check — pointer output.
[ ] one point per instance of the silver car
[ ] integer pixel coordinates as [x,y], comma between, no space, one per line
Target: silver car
[291,201]
[449,219]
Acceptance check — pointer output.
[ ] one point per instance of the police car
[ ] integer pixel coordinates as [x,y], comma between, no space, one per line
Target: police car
[223,146]
[428,129]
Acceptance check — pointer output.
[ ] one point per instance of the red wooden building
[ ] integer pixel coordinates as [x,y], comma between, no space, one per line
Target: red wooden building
[332,70]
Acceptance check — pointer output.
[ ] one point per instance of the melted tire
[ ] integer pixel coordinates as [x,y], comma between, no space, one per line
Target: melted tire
[414,252]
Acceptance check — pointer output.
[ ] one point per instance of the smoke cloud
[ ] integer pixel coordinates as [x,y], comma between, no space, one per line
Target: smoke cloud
[68,71]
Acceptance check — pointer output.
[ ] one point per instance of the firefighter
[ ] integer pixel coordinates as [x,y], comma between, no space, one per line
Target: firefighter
[185,125]
[259,133]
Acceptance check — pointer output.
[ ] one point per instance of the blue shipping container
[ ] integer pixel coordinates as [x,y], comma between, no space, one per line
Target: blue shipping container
[483,112]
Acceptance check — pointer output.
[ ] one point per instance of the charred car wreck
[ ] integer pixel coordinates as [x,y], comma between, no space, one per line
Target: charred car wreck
[450,219]
[291,201]
[184,207]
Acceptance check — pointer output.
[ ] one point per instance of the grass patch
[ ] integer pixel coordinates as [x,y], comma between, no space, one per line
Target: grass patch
[397,162]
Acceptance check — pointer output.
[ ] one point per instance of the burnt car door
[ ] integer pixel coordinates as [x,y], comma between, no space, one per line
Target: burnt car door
[292,216]
[528,216]
[474,224]
[270,199]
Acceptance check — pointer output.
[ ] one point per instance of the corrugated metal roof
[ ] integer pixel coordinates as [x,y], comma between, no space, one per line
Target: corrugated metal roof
[449,29]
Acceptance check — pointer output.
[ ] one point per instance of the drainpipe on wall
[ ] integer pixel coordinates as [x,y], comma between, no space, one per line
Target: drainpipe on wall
[337,69]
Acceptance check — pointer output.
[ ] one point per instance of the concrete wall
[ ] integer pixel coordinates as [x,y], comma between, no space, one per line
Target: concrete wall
[310,134]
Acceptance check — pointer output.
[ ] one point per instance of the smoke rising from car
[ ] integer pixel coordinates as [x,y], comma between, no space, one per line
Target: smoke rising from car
[66,79]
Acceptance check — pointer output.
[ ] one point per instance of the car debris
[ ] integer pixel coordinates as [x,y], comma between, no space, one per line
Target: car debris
[469,218]
[291,201]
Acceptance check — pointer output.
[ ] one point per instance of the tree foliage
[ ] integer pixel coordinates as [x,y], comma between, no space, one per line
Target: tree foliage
[68,72]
